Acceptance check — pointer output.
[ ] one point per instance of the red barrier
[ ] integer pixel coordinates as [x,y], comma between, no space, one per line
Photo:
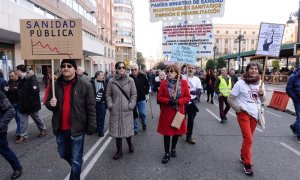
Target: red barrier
[279,100]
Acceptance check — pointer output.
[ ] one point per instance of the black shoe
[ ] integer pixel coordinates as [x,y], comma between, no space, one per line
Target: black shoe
[135,133]
[144,127]
[117,155]
[298,140]
[190,140]
[16,174]
[211,102]
[173,153]
[222,121]
[165,159]
[207,100]
[100,134]
[248,170]
[293,128]
[225,118]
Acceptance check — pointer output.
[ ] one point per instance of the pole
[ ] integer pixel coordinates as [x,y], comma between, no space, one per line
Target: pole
[176,88]
[52,77]
[150,105]
[264,71]
[298,36]
[239,58]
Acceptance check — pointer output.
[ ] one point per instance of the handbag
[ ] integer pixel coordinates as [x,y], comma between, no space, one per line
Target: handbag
[177,120]
[261,114]
[135,113]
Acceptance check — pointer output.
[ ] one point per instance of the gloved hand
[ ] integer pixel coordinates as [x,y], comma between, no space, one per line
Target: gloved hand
[173,102]
[193,93]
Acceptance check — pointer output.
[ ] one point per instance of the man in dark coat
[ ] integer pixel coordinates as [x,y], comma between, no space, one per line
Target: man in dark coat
[29,103]
[7,112]
[74,115]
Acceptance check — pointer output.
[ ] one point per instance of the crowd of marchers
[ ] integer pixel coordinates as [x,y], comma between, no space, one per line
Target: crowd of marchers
[79,107]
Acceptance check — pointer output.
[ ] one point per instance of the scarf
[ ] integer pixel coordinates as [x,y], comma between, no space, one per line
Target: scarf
[172,86]
[250,79]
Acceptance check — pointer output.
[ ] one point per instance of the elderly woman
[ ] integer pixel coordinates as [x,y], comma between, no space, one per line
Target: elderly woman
[121,99]
[245,99]
[170,104]
[161,76]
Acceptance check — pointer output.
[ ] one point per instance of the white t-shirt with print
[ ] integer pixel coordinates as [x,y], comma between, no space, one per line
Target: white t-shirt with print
[247,97]
[193,83]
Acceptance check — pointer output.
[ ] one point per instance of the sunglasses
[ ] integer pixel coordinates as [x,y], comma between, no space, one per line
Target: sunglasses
[133,69]
[121,67]
[170,71]
[66,65]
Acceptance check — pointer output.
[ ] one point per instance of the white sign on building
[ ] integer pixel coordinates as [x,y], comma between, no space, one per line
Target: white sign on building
[269,39]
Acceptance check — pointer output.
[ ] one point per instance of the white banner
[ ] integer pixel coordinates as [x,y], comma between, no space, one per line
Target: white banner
[199,36]
[269,39]
[173,10]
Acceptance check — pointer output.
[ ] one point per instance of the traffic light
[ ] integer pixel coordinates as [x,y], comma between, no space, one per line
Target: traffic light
[297,49]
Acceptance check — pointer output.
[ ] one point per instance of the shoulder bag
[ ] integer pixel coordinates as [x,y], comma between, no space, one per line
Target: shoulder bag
[261,113]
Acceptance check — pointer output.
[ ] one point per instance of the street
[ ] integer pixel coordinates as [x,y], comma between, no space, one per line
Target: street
[215,156]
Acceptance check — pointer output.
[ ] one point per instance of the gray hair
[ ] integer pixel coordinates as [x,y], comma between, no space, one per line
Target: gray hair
[134,65]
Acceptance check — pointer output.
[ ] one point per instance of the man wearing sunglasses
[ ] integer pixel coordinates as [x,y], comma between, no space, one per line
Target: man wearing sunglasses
[142,87]
[195,87]
[74,114]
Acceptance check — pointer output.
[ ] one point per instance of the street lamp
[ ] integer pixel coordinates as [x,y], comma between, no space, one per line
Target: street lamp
[290,21]
[215,48]
[239,39]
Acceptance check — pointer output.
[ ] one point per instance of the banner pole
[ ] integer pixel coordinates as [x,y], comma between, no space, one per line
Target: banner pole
[264,71]
[177,83]
[52,77]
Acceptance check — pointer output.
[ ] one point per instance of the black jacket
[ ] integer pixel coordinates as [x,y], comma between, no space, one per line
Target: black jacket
[12,93]
[7,112]
[83,111]
[103,99]
[142,86]
[29,94]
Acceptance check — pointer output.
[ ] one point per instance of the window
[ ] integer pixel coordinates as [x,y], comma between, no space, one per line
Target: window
[236,32]
[253,32]
[227,32]
[218,32]
[108,50]
[226,41]
[217,40]
[75,6]
[252,41]
[104,51]
[245,32]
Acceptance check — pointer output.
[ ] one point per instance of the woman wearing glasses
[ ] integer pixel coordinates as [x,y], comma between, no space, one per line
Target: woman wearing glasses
[169,107]
[121,99]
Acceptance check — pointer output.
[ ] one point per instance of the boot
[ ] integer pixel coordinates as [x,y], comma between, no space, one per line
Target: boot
[212,101]
[119,152]
[130,145]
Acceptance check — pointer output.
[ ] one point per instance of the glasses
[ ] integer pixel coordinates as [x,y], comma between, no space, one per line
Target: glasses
[133,69]
[170,71]
[121,67]
[66,65]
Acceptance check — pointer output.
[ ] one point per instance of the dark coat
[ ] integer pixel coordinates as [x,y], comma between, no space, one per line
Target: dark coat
[167,112]
[7,112]
[29,94]
[142,86]
[12,93]
[293,86]
[83,111]
[210,82]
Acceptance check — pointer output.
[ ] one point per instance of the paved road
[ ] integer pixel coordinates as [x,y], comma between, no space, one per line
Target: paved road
[276,154]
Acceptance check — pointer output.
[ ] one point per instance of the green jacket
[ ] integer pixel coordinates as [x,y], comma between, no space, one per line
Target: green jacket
[83,107]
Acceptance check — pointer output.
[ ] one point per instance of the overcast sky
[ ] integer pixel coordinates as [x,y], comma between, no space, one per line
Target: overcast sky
[148,35]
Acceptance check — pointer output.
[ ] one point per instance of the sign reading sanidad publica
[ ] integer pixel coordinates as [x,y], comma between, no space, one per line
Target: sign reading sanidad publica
[51,38]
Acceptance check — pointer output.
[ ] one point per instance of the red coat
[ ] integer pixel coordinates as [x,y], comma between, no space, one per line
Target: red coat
[167,112]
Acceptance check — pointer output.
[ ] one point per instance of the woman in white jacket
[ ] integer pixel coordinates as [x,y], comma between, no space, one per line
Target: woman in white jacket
[245,99]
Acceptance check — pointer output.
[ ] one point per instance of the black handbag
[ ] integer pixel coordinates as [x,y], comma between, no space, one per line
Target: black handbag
[135,113]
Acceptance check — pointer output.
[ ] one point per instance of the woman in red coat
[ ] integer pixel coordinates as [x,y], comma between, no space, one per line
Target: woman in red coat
[169,107]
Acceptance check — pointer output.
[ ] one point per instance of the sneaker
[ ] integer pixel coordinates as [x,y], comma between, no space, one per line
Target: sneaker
[42,133]
[241,159]
[173,153]
[293,128]
[21,139]
[298,140]
[248,170]
[16,174]
[166,159]
[190,140]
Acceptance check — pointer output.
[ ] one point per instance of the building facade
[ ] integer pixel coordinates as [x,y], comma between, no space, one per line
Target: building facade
[11,11]
[124,30]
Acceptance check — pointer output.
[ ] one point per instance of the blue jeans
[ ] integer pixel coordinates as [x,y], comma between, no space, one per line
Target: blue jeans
[142,108]
[101,112]
[71,149]
[8,154]
[297,123]
[17,118]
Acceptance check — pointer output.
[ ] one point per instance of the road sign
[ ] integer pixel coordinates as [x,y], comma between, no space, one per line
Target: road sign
[4,59]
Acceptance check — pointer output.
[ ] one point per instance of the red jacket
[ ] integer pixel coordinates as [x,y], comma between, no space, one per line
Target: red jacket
[167,112]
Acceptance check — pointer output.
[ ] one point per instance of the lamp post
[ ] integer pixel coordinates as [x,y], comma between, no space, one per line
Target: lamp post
[239,39]
[291,21]
[215,48]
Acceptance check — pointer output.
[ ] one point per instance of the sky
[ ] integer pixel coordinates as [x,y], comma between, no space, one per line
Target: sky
[148,35]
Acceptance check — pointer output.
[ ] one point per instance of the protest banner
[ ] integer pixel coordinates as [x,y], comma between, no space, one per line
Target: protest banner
[168,10]
[195,35]
[183,54]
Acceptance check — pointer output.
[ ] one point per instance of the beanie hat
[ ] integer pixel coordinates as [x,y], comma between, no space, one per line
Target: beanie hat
[69,61]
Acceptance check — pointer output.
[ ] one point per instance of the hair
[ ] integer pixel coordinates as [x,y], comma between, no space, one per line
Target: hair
[12,71]
[250,64]
[134,66]
[175,68]
[118,64]
[211,72]
[21,67]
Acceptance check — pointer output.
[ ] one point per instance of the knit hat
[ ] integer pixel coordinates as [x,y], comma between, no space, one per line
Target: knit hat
[69,61]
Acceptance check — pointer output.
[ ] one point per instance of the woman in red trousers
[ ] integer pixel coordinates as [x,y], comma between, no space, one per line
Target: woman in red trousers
[245,98]
[169,107]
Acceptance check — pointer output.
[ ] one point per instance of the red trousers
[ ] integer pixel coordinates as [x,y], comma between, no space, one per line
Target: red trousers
[247,124]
